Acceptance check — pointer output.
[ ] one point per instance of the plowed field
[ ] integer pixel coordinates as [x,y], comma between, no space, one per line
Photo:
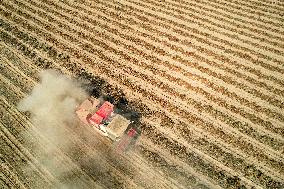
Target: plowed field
[207,77]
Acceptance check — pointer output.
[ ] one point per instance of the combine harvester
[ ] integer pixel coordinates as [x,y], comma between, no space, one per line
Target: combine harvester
[100,115]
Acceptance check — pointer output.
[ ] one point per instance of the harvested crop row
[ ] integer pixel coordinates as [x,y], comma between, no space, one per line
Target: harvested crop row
[15,124]
[260,122]
[95,146]
[17,160]
[150,129]
[59,160]
[209,87]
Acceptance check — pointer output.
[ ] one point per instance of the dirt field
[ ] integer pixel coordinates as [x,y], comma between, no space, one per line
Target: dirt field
[206,76]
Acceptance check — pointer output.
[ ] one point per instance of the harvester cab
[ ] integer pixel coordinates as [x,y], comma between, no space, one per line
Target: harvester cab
[100,115]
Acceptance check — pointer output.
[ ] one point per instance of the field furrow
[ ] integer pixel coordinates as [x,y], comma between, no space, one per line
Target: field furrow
[207,78]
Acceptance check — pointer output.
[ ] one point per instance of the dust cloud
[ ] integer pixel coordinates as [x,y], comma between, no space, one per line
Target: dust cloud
[53,101]
[71,154]
[52,104]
